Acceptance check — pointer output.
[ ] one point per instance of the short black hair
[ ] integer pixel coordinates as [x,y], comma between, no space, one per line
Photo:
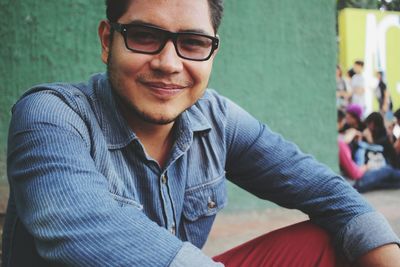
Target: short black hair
[397,114]
[359,62]
[116,8]
[340,115]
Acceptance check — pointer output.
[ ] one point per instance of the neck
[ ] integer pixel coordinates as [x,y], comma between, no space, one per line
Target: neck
[157,139]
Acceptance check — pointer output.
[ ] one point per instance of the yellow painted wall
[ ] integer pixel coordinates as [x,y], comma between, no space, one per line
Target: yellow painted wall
[355,35]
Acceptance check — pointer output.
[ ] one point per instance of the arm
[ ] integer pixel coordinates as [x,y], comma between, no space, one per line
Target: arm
[64,202]
[349,167]
[275,169]
[384,256]
[386,101]
[344,94]
[367,135]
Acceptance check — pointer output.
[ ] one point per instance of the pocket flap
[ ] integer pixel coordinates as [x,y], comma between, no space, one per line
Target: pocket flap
[205,200]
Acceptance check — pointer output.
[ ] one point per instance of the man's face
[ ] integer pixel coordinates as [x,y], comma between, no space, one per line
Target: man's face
[157,88]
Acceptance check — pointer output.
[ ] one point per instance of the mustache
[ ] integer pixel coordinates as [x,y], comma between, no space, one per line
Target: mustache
[154,77]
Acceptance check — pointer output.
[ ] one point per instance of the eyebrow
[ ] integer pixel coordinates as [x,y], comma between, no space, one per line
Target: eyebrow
[193,30]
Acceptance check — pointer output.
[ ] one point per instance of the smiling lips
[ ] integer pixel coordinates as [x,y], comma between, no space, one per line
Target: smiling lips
[164,90]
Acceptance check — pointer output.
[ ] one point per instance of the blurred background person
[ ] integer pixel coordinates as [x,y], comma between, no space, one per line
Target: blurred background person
[353,118]
[383,96]
[343,93]
[376,133]
[353,122]
[395,134]
[366,177]
[341,120]
[358,85]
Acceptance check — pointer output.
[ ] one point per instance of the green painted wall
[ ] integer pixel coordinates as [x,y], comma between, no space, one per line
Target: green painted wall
[277,60]
[44,41]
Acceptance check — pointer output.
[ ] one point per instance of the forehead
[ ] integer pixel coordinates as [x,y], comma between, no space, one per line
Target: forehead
[173,15]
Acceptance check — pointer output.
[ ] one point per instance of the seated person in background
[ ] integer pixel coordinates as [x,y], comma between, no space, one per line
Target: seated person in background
[375,133]
[395,134]
[353,119]
[368,176]
[341,120]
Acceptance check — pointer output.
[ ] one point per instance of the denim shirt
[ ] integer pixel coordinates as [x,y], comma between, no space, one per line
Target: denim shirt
[83,186]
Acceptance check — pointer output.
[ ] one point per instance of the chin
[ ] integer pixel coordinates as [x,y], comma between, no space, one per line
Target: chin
[154,119]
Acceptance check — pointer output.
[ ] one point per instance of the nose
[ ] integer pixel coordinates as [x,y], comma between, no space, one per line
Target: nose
[167,61]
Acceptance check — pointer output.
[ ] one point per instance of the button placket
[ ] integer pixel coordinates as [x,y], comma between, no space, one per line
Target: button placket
[168,205]
[173,229]
[164,179]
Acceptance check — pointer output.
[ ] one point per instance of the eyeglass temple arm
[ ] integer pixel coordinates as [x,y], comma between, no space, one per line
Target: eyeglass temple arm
[116,26]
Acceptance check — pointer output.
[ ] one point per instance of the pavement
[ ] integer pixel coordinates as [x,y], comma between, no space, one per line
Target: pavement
[232,228]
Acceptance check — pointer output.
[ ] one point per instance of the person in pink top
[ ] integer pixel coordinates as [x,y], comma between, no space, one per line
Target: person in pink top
[367,177]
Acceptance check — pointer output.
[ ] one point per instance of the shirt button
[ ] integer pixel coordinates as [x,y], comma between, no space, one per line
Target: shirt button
[211,204]
[173,230]
[164,179]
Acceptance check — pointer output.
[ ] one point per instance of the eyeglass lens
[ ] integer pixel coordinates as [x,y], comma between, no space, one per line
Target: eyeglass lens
[151,40]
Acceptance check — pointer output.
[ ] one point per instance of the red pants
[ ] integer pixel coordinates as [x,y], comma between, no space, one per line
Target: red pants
[298,245]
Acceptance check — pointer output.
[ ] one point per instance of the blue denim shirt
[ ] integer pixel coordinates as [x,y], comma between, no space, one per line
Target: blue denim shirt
[83,186]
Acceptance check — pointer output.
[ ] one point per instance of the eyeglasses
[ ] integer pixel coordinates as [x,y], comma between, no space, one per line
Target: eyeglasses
[151,40]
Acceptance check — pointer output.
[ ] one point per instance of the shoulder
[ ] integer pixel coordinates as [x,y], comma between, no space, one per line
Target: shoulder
[217,103]
[61,104]
[73,95]
[223,113]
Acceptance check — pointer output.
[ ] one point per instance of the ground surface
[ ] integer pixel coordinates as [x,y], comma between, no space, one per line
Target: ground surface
[235,227]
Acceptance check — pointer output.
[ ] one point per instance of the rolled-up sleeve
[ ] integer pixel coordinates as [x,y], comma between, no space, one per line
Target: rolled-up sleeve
[366,232]
[275,169]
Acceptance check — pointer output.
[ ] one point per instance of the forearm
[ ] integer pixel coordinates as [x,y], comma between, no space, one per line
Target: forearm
[384,256]
[276,170]
[364,234]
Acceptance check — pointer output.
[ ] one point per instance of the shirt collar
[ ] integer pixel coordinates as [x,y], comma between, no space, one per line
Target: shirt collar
[116,129]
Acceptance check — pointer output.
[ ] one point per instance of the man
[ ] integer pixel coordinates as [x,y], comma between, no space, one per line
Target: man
[383,96]
[357,84]
[130,168]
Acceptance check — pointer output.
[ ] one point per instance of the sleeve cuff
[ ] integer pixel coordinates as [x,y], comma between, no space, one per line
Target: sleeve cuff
[190,255]
[367,232]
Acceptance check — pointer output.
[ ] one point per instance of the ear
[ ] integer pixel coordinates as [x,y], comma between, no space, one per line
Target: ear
[105,37]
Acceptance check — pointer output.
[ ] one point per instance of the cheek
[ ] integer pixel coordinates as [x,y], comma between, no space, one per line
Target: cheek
[126,63]
[200,73]
[130,66]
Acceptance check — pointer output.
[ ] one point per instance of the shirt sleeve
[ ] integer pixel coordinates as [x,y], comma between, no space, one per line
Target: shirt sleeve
[265,164]
[64,202]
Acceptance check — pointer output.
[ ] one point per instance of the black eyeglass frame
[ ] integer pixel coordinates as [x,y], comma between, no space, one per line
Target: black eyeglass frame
[123,29]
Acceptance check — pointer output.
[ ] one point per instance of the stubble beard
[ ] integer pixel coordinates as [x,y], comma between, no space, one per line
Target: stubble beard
[129,106]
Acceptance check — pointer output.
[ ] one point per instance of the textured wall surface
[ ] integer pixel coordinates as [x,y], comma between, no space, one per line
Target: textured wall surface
[276,59]
[45,41]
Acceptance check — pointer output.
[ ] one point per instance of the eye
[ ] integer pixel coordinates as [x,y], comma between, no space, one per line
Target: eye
[142,36]
[194,42]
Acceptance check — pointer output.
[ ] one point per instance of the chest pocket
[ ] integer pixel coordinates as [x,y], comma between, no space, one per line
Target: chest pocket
[200,207]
